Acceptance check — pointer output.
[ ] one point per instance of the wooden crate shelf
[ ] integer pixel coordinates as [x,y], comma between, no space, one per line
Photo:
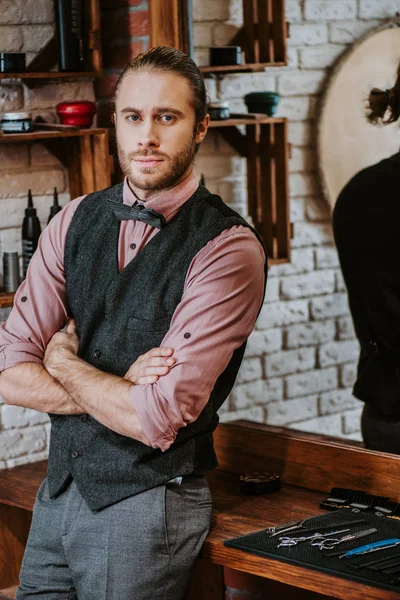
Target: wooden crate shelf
[6,300]
[262,37]
[250,119]
[83,152]
[85,155]
[43,63]
[246,68]
[265,142]
[52,75]
[265,147]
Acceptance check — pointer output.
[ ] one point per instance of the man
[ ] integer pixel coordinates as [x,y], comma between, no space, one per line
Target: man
[161,283]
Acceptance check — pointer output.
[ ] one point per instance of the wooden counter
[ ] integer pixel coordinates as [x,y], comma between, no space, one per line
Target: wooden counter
[309,466]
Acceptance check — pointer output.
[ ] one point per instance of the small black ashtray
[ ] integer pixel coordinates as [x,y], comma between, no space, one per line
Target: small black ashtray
[255,484]
[12,62]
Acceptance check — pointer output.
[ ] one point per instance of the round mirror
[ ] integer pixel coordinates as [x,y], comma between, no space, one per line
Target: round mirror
[346,142]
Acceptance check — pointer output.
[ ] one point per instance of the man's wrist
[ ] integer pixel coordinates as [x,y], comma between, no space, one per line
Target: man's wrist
[59,360]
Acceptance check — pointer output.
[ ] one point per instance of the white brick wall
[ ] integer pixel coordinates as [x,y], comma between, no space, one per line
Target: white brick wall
[26,27]
[304,335]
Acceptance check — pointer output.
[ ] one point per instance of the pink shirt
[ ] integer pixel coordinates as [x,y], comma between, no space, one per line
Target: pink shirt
[222,295]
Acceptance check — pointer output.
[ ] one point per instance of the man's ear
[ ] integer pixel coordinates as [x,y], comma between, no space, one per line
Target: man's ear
[202,128]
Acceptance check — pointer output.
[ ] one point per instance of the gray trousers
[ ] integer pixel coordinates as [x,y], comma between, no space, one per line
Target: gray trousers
[142,548]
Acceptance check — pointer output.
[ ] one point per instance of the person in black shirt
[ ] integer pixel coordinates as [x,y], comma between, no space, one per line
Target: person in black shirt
[366,225]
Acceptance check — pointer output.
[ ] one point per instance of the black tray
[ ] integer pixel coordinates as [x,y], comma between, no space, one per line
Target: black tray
[305,555]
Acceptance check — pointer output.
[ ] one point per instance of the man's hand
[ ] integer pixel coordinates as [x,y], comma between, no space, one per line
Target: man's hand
[150,366]
[62,345]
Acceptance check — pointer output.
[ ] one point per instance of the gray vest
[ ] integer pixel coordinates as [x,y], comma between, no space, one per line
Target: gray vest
[119,316]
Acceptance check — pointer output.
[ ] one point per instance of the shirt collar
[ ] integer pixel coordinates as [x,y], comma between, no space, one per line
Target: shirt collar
[166,202]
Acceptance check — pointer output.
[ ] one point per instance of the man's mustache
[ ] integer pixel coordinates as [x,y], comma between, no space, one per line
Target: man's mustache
[134,155]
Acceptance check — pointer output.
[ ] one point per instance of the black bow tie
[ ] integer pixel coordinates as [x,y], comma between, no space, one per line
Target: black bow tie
[123,212]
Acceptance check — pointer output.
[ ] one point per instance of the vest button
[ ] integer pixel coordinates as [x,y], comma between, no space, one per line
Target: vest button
[75,454]
[132,246]
[84,418]
[186,335]
[24,299]
[97,353]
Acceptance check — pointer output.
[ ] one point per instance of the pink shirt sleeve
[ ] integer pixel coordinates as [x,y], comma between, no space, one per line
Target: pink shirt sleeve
[223,293]
[39,309]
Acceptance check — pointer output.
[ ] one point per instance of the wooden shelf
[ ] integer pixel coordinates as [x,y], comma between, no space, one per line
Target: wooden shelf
[251,119]
[265,147]
[45,134]
[42,64]
[247,68]
[83,152]
[6,300]
[52,75]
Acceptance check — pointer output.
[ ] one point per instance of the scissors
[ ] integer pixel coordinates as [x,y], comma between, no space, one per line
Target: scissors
[329,543]
[293,541]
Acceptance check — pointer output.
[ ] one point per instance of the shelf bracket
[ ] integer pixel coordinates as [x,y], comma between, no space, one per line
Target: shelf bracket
[46,59]
[235,139]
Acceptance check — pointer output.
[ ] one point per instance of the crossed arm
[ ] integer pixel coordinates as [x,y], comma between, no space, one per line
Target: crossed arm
[66,384]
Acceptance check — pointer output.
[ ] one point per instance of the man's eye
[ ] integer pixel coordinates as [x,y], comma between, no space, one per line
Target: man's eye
[133,118]
[167,118]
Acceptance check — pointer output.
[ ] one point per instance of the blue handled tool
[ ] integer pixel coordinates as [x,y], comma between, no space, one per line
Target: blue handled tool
[381,545]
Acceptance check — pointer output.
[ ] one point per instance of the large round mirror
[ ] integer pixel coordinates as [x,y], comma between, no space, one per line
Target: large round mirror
[346,142]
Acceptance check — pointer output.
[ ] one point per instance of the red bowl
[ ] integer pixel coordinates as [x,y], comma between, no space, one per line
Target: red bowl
[79,114]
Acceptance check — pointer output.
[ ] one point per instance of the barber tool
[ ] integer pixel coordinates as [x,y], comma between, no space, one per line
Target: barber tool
[328,543]
[256,484]
[357,500]
[364,564]
[386,564]
[391,570]
[381,545]
[293,541]
[31,230]
[277,529]
[56,207]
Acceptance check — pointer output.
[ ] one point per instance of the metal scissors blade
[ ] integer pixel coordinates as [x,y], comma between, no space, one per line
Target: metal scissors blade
[329,543]
[293,541]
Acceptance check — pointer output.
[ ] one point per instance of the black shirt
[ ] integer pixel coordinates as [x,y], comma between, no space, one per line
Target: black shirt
[366,224]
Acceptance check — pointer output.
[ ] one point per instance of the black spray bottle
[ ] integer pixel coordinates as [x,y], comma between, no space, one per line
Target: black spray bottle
[55,208]
[31,231]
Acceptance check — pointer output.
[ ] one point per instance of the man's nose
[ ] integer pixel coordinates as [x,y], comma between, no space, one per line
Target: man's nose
[148,135]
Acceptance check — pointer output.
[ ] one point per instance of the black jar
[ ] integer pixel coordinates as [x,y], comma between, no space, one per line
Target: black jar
[219,111]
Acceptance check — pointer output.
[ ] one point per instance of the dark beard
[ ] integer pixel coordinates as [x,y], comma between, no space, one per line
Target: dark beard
[178,165]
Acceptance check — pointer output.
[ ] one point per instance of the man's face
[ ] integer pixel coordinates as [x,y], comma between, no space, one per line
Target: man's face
[156,131]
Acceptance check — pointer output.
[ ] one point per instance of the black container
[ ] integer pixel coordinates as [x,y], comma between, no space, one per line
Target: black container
[262,102]
[55,208]
[31,231]
[219,111]
[69,28]
[12,62]
[11,278]
[224,56]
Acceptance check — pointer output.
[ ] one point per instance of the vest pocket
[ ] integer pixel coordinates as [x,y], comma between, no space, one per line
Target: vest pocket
[138,324]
